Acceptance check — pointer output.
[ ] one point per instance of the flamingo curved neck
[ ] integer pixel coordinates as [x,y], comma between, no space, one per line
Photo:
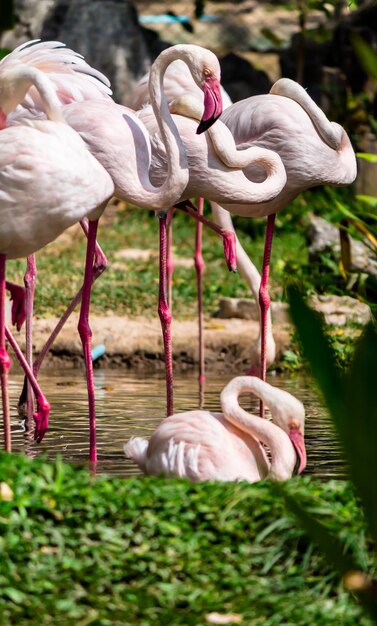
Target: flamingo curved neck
[226,150]
[330,133]
[178,172]
[16,83]
[283,456]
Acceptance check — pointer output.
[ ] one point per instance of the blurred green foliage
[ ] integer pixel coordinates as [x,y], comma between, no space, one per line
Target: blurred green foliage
[6,21]
[351,401]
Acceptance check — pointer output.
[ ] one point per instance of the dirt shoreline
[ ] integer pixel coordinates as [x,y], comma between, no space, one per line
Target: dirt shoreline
[137,343]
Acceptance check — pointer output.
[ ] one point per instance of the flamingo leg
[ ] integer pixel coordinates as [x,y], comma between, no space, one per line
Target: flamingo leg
[86,335]
[17,296]
[169,256]
[99,267]
[264,296]
[43,406]
[29,281]
[4,360]
[199,267]
[164,313]
[229,237]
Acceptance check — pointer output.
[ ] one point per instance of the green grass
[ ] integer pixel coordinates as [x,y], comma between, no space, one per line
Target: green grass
[130,287]
[77,550]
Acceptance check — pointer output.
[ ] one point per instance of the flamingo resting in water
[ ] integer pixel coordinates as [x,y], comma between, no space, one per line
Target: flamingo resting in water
[201,445]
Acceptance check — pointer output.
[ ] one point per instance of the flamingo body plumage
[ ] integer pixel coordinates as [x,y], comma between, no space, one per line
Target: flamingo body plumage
[314,150]
[48,182]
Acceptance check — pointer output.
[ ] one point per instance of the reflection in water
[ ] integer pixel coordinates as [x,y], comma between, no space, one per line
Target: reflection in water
[129,405]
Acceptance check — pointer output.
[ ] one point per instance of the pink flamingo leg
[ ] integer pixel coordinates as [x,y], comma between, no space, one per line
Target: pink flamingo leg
[99,267]
[86,335]
[165,314]
[169,256]
[199,267]
[17,296]
[43,406]
[4,360]
[229,237]
[264,296]
[29,281]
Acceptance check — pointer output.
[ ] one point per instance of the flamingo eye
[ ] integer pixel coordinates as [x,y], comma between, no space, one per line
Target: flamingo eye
[207,72]
[294,424]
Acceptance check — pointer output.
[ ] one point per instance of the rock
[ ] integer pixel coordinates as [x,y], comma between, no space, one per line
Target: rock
[240,79]
[340,310]
[107,34]
[247,309]
[324,237]
[29,17]
[337,310]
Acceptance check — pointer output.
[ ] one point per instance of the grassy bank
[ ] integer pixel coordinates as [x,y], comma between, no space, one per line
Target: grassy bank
[77,550]
[129,287]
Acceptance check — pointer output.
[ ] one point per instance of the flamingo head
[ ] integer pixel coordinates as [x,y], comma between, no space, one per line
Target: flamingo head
[205,70]
[14,85]
[213,105]
[297,438]
[289,413]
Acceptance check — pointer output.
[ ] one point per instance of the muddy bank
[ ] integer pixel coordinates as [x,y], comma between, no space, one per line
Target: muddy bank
[137,343]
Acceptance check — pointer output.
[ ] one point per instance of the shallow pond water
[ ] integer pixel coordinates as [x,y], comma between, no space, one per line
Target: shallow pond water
[133,404]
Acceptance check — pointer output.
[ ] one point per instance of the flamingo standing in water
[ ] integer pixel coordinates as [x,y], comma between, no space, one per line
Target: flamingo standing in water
[227,446]
[73,79]
[314,151]
[218,177]
[48,182]
[102,126]
[178,86]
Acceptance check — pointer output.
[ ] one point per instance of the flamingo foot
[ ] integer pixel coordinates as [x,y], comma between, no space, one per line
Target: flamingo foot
[18,297]
[230,241]
[41,419]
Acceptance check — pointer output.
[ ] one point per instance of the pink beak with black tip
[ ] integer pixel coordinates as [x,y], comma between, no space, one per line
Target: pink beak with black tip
[213,104]
[298,442]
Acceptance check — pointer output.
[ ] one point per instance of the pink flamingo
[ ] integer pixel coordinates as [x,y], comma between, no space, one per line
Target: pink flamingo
[48,181]
[217,168]
[109,143]
[178,86]
[73,79]
[314,151]
[227,446]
